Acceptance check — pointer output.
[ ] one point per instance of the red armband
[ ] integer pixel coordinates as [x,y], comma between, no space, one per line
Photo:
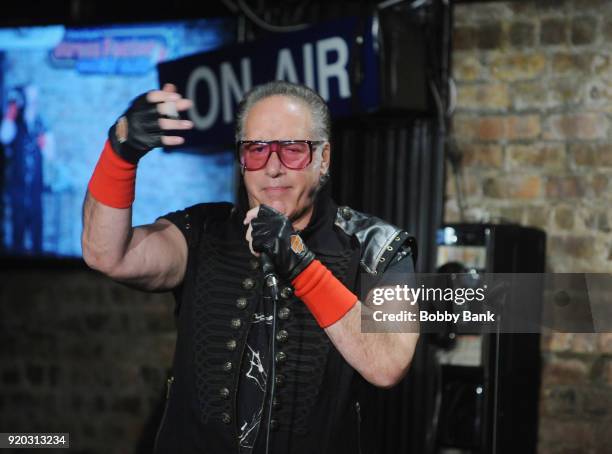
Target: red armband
[114,180]
[324,295]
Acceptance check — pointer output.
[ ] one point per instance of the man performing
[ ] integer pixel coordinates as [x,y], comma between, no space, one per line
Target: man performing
[213,257]
[27,142]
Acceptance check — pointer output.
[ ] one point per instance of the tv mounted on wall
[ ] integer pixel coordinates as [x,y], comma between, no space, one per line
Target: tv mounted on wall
[60,90]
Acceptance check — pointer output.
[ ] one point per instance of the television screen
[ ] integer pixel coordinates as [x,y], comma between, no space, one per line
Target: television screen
[61,88]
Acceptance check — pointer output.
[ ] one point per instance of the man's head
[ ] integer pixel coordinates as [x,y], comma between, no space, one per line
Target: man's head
[285,111]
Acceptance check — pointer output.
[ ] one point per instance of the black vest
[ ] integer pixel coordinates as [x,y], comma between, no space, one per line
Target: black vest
[317,409]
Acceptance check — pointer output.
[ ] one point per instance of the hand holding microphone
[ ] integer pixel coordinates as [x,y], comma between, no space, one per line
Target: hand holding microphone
[325,296]
[273,235]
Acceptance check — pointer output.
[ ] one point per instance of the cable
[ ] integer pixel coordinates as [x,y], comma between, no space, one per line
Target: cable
[230,5]
[438,100]
[452,97]
[452,155]
[414,5]
[248,12]
[432,431]
[271,282]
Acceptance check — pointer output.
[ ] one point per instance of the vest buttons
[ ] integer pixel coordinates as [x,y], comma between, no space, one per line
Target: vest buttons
[231,345]
[286,292]
[346,213]
[279,380]
[282,336]
[275,403]
[273,424]
[254,264]
[284,313]
[248,283]
[224,393]
[236,323]
[241,303]
[227,366]
[281,357]
[226,418]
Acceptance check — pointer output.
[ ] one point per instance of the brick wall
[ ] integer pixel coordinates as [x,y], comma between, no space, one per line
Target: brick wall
[534,128]
[81,354]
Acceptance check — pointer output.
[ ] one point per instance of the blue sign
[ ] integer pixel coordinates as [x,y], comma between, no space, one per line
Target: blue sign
[337,59]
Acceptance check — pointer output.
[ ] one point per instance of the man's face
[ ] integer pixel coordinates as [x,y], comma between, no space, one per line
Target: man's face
[288,191]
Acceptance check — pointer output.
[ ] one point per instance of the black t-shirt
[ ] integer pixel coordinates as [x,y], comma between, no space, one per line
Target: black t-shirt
[253,377]
[252,400]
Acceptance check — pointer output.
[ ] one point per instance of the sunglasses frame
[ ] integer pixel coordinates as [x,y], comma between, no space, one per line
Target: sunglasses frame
[312,144]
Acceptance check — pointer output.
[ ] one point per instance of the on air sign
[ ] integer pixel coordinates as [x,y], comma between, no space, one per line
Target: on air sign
[336,59]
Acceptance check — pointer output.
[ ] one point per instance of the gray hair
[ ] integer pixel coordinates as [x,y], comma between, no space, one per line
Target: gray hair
[318,108]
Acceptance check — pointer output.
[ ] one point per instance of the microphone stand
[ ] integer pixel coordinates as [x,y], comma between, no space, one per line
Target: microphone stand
[271,288]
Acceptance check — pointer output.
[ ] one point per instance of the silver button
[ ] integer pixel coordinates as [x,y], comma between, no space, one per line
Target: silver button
[227,366]
[224,393]
[248,283]
[282,335]
[236,323]
[273,424]
[286,292]
[231,345]
[187,226]
[275,403]
[279,379]
[284,313]
[254,264]
[241,303]
[346,213]
[226,418]
[281,357]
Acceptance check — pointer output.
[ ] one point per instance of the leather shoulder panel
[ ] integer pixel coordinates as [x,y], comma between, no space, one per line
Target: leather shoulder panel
[380,241]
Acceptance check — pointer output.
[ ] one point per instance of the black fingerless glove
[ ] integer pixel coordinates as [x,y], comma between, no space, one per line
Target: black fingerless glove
[273,235]
[137,131]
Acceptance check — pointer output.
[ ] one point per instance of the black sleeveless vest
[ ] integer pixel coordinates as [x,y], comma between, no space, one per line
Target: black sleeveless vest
[316,408]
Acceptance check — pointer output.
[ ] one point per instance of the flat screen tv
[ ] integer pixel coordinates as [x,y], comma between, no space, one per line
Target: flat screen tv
[60,90]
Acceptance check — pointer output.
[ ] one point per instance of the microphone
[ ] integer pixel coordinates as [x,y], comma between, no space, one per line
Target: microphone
[270,277]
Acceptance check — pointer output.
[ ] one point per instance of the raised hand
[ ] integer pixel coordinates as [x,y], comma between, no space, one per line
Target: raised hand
[143,125]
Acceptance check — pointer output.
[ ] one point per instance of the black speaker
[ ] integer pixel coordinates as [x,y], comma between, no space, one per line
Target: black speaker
[489,383]
[404,61]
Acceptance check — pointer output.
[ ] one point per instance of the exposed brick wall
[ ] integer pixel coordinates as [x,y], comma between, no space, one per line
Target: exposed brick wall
[534,128]
[81,354]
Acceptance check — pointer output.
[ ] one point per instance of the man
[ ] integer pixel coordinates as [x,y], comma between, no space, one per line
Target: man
[219,400]
[27,141]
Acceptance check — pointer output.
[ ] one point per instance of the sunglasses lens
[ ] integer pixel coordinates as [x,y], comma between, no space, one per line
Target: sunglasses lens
[254,155]
[295,155]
